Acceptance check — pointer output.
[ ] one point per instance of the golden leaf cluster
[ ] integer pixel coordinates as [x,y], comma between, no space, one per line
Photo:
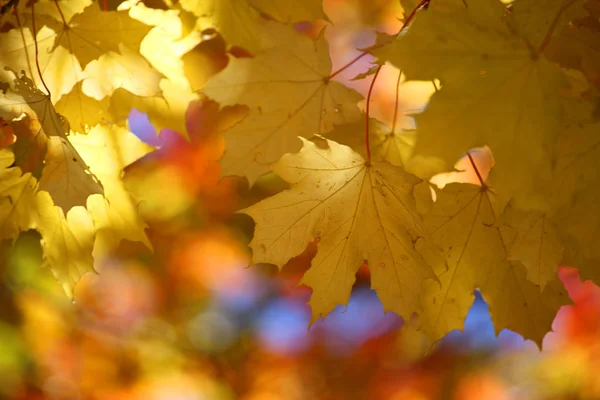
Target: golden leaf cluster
[519,79]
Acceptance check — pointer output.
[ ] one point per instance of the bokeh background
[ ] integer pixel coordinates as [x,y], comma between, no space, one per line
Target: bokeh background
[188,320]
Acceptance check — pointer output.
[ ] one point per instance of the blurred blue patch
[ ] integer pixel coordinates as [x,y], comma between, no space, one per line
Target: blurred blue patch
[244,298]
[479,333]
[140,126]
[346,329]
[282,326]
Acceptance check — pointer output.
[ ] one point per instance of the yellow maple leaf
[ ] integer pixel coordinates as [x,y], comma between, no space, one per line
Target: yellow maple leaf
[47,12]
[533,19]
[125,69]
[113,30]
[570,190]
[497,88]
[167,33]
[66,45]
[83,111]
[290,94]
[17,198]
[23,97]
[290,11]
[517,304]
[107,150]
[30,145]
[71,239]
[575,155]
[461,222]
[37,101]
[67,243]
[66,176]
[67,240]
[390,144]
[395,146]
[578,47]
[237,21]
[63,174]
[573,189]
[358,213]
[532,238]
[103,59]
[580,228]
[464,222]
[61,69]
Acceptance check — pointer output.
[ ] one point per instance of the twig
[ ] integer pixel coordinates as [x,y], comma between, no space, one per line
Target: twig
[367,144]
[394,120]
[476,170]
[553,25]
[35,43]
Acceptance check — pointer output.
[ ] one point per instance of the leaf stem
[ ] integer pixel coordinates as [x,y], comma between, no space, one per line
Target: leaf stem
[37,51]
[421,5]
[368,110]
[62,16]
[25,45]
[11,4]
[349,64]
[554,24]
[476,170]
[395,119]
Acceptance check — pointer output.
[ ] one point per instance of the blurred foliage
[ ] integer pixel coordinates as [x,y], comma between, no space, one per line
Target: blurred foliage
[188,321]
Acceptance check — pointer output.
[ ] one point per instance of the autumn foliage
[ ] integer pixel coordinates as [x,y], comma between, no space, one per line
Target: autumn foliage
[513,83]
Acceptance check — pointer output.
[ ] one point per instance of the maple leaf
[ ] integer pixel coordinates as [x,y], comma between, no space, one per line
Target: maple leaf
[501,86]
[108,150]
[66,176]
[67,243]
[573,189]
[291,11]
[575,155]
[63,174]
[533,19]
[290,94]
[167,33]
[358,213]
[71,235]
[517,304]
[17,197]
[68,52]
[17,52]
[580,230]
[23,97]
[240,22]
[532,238]
[570,193]
[67,44]
[83,111]
[47,12]
[125,69]
[71,239]
[114,30]
[483,56]
[30,145]
[390,144]
[67,240]
[463,221]
[578,47]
